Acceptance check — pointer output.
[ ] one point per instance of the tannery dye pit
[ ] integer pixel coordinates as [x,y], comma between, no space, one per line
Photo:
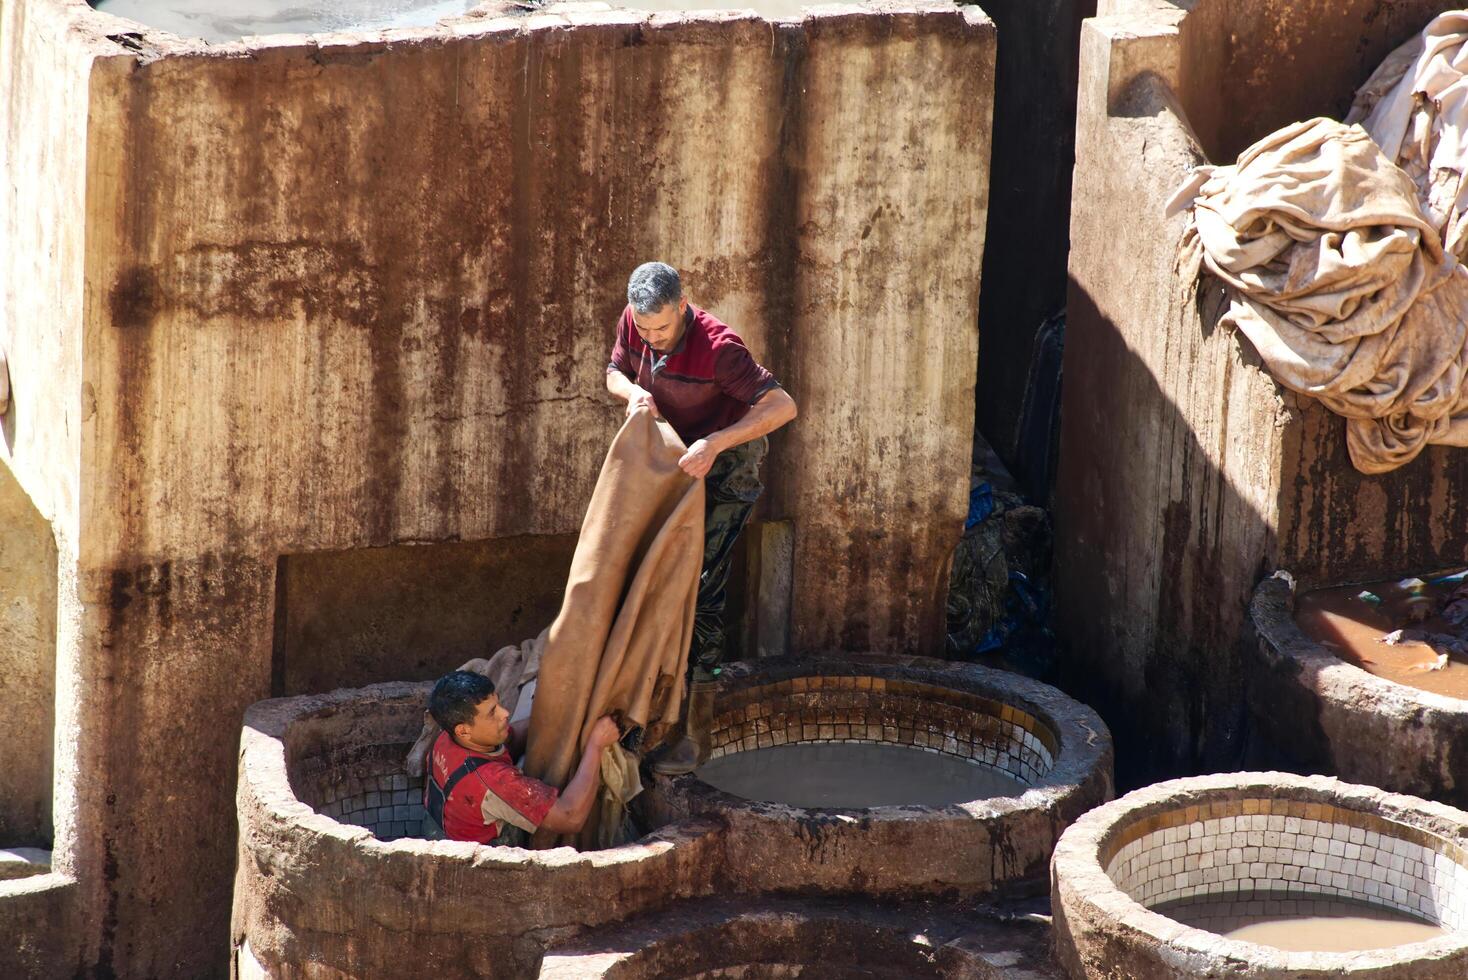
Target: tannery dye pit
[1302,922]
[855,775]
[1412,631]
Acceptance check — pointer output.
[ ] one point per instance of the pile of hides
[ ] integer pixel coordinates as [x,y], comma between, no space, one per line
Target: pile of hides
[1330,240]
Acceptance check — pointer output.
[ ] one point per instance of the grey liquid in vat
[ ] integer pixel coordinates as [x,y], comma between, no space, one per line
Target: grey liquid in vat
[855,775]
[1303,923]
[228,22]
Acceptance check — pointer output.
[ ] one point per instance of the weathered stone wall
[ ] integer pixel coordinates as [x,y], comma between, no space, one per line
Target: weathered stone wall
[1186,474]
[359,293]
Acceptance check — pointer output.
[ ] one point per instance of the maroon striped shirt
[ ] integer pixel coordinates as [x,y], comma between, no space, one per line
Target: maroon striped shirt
[706,384]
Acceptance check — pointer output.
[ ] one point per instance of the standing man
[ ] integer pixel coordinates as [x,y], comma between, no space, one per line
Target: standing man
[688,367]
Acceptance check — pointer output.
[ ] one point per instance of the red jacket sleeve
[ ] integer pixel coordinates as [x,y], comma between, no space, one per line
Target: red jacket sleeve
[738,374]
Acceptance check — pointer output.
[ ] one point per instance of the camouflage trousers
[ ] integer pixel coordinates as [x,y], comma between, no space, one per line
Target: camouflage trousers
[730,491]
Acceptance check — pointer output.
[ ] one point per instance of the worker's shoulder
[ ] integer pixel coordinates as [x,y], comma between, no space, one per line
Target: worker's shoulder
[717,333]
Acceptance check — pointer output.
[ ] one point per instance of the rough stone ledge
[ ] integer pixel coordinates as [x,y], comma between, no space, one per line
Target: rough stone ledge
[23,862]
[510,21]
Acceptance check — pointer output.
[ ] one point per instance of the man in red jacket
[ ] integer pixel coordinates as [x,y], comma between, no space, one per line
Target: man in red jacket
[691,369]
[474,790]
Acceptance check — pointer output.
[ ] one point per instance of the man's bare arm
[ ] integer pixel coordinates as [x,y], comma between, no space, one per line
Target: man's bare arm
[633,394]
[773,410]
[571,809]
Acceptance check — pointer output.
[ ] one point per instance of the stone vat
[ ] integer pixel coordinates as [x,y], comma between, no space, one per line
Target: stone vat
[300,310]
[1186,475]
[1191,838]
[1058,750]
[1313,712]
[330,874]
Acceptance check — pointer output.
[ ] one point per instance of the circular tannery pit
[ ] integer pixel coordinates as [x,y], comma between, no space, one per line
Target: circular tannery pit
[332,874]
[1263,875]
[1318,708]
[891,775]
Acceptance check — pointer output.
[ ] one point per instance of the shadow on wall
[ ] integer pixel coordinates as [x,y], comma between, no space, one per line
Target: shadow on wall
[27,667]
[1125,553]
[1029,204]
[411,612]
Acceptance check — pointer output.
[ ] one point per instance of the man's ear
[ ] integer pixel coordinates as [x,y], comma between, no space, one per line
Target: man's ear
[461,732]
[682,305]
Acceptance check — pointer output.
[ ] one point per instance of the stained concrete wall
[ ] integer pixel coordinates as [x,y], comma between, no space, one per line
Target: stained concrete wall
[359,293]
[1186,474]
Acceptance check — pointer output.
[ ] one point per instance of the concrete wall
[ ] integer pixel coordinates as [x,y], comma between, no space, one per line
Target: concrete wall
[359,293]
[1186,474]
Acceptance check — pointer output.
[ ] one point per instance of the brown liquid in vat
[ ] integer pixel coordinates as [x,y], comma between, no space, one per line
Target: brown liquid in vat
[1303,923]
[854,775]
[1353,629]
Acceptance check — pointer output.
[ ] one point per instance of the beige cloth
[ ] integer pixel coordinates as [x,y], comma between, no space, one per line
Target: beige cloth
[1341,284]
[509,670]
[1415,105]
[620,784]
[620,643]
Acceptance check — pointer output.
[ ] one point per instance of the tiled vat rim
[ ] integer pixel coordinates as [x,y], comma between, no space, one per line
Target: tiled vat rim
[1354,841]
[371,790]
[865,707]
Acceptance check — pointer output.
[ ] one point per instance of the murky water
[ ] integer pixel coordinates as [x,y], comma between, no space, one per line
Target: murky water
[214,21]
[854,775]
[1432,651]
[1303,923]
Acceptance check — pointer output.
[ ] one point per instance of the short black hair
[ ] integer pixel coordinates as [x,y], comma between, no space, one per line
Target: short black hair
[456,697]
[652,286]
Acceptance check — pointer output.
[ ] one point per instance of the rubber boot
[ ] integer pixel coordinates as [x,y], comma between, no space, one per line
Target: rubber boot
[692,750]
